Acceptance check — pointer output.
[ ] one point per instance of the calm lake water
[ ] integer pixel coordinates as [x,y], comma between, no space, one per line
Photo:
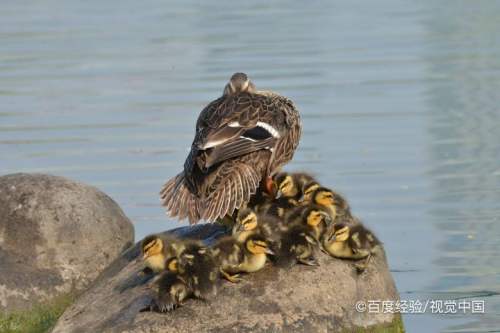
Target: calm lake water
[400,103]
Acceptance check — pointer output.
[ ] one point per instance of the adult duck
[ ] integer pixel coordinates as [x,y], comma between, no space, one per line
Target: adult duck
[242,139]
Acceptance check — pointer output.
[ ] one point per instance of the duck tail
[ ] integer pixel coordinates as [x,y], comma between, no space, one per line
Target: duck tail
[178,200]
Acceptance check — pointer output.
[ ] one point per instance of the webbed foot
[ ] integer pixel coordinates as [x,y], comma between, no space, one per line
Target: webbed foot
[234,278]
[309,261]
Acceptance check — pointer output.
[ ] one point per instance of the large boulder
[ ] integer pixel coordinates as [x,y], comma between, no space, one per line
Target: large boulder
[56,236]
[300,299]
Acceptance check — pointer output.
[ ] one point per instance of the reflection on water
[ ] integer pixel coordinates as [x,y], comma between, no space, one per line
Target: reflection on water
[464,145]
[399,102]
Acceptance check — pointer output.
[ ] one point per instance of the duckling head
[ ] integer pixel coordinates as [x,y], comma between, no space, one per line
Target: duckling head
[151,246]
[307,191]
[314,216]
[258,246]
[339,233]
[179,292]
[285,186]
[152,252]
[325,197]
[245,221]
[239,83]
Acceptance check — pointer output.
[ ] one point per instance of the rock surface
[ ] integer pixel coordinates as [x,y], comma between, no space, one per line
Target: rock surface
[56,236]
[300,299]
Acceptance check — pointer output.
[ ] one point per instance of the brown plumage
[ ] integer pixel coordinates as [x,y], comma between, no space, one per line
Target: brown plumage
[241,138]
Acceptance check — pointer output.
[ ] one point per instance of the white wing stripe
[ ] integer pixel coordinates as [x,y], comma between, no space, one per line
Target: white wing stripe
[268,128]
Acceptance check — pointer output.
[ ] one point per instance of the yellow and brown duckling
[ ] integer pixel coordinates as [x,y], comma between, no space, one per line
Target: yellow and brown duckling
[315,217]
[290,185]
[307,190]
[248,223]
[196,266]
[172,291]
[335,204]
[191,260]
[233,257]
[354,242]
[298,244]
[157,249]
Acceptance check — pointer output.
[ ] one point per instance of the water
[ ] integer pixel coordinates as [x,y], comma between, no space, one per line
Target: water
[400,103]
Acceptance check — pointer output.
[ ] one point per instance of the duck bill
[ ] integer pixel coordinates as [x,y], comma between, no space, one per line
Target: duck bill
[278,195]
[328,219]
[237,229]
[269,251]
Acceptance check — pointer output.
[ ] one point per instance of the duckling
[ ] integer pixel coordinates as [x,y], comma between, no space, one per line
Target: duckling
[299,244]
[289,185]
[351,242]
[172,291]
[241,140]
[157,249]
[334,203]
[307,190]
[197,268]
[315,217]
[248,222]
[234,257]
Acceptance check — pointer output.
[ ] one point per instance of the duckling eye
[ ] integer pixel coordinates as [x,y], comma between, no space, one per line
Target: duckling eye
[284,185]
[149,245]
[260,244]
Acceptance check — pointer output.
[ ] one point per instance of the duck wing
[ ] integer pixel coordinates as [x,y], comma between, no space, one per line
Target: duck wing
[233,184]
[239,140]
[235,127]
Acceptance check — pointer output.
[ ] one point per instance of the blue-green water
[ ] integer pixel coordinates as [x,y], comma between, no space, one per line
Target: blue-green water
[400,103]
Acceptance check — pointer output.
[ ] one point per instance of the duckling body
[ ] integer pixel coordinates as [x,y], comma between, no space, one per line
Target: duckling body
[354,242]
[172,291]
[298,245]
[196,266]
[234,257]
[241,138]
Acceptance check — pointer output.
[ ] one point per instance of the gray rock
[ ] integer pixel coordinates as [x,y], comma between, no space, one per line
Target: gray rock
[56,236]
[300,299]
